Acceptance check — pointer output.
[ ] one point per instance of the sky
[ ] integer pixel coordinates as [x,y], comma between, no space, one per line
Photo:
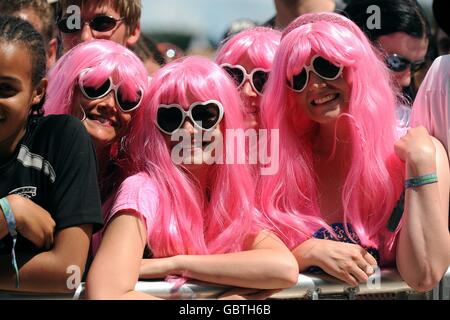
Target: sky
[208,18]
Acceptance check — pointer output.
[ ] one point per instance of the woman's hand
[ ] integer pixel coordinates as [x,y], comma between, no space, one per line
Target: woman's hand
[417,149]
[32,221]
[348,262]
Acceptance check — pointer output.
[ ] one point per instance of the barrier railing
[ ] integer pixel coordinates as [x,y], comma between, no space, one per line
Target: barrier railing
[385,284]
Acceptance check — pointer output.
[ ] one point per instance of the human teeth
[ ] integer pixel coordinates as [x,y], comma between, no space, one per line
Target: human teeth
[101,120]
[325,99]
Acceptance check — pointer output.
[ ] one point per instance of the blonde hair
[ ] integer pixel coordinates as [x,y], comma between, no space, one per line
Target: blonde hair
[129,9]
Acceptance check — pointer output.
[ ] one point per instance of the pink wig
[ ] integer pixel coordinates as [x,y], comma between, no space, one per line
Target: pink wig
[258,44]
[374,182]
[186,222]
[105,58]
[331,17]
[432,103]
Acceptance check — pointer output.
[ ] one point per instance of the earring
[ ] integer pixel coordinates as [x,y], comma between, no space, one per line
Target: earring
[84,114]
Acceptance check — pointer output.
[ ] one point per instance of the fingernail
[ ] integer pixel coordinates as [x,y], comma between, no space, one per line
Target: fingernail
[369,270]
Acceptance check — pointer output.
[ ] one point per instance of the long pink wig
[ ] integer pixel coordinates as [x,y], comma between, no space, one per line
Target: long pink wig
[289,199]
[258,44]
[105,58]
[186,222]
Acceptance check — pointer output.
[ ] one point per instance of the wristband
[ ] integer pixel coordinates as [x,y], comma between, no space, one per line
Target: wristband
[11,222]
[418,181]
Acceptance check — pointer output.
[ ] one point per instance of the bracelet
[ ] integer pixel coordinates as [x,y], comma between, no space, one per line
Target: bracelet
[11,222]
[421,180]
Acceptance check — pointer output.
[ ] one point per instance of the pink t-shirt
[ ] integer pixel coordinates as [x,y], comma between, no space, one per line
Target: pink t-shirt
[136,195]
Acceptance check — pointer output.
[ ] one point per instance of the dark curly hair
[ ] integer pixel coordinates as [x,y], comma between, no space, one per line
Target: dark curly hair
[16,30]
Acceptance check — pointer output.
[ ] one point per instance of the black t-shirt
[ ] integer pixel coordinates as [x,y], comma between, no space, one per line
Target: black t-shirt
[55,166]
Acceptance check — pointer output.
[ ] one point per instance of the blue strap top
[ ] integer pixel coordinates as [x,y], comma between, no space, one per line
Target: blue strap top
[342,236]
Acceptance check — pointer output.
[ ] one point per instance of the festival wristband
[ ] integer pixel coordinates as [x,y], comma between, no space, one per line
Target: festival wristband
[418,181]
[11,222]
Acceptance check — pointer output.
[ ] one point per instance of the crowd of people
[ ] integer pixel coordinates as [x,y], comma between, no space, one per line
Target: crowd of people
[130,164]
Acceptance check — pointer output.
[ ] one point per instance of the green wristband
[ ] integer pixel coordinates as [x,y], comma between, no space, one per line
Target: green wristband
[418,181]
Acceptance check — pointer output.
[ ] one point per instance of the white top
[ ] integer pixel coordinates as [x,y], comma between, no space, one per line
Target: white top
[431,106]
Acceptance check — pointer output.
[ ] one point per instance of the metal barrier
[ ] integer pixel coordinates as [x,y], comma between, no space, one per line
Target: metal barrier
[444,287]
[385,284]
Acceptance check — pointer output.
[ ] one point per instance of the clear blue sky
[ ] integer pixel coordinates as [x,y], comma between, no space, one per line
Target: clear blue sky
[202,17]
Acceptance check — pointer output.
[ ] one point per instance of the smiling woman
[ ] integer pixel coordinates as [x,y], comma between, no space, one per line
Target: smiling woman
[50,201]
[16,92]
[103,84]
[197,220]
[344,177]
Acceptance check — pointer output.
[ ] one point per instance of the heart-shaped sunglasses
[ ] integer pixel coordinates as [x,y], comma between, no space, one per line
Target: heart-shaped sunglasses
[321,67]
[124,101]
[204,115]
[257,78]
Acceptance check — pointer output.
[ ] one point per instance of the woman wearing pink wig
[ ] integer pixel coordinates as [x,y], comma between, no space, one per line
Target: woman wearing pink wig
[101,83]
[247,57]
[193,213]
[335,199]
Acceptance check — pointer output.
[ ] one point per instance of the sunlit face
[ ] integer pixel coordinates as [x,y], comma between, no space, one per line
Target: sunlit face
[195,149]
[90,10]
[17,94]
[313,6]
[28,14]
[250,98]
[103,119]
[324,100]
[412,48]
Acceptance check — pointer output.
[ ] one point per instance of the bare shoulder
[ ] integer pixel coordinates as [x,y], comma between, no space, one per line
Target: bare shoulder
[439,147]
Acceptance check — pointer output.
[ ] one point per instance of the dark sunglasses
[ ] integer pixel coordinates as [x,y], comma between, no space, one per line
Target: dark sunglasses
[397,63]
[204,115]
[123,102]
[321,67]
[99,23]
[257,78]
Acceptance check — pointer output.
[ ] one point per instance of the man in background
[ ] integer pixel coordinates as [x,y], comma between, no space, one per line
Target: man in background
[117,20]
[40,15]
[288,10]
